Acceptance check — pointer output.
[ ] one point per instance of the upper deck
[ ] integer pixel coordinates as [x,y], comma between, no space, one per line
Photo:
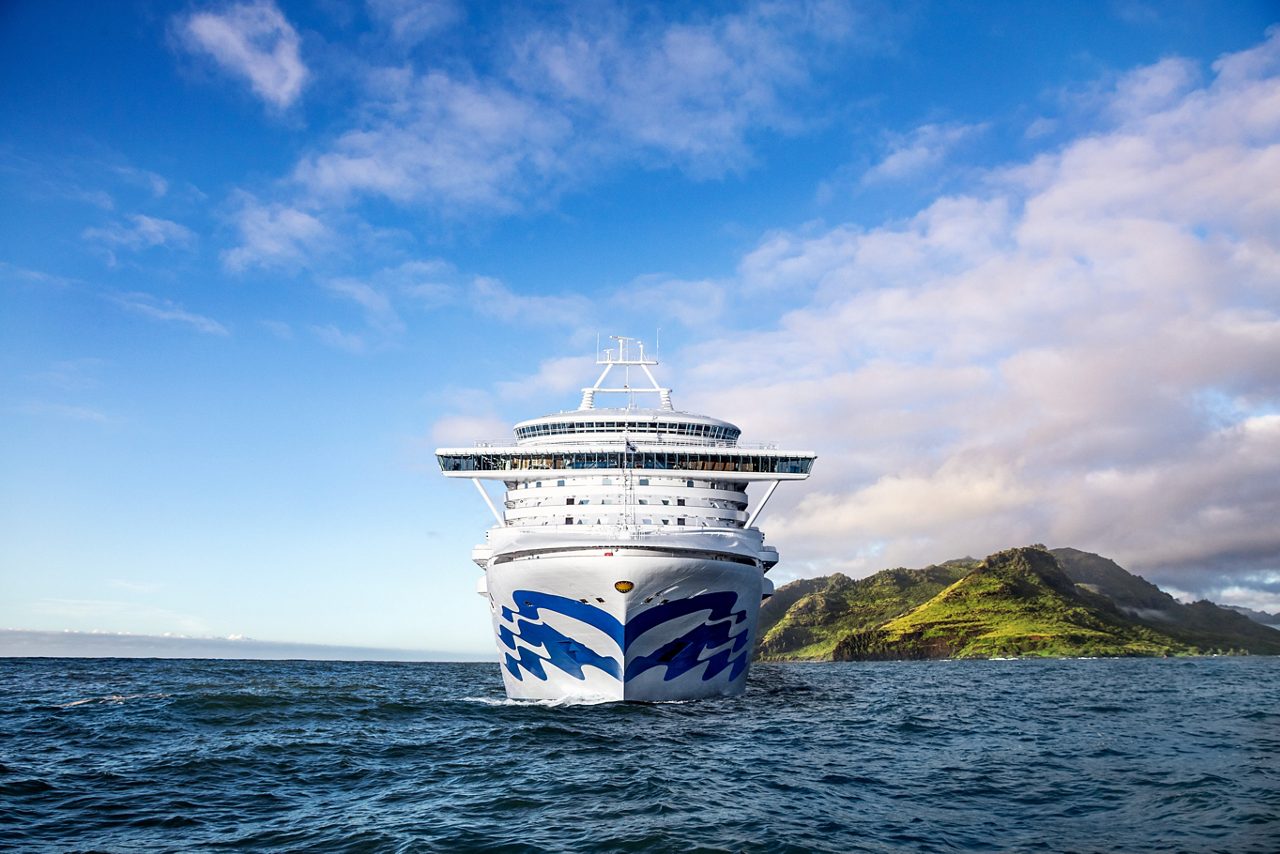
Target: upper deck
[608,440]
[666,426]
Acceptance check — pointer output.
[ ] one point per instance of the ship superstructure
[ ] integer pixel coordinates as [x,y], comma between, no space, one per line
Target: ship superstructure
[625,562]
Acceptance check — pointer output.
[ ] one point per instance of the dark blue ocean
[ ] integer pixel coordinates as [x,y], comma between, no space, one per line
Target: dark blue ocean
[1110,755]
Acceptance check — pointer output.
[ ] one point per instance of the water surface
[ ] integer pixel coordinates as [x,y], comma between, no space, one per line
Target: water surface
[1131,755]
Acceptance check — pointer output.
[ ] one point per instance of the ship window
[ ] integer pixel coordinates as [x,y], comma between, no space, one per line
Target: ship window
[680,521]
[644,481]
[568,520]
[688,483]
[679,502]
[559,483]
[568,501]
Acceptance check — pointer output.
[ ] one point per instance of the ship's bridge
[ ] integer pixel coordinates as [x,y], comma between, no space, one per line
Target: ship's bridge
[605,426]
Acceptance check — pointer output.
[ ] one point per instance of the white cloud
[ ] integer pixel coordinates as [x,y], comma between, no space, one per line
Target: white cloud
[107,615]
[141,232]
[694,304]
[560,377]
[919,151]
[12,273]
[152,181]
[378,312]
[470,143]
[411,21]
[572,93]
[168,311]
[1038,360]
[334,337]
[72,374]
[253,41]
[428,283]
[465,430]
[278,328]
[274,235]
[68,411]
[492,298]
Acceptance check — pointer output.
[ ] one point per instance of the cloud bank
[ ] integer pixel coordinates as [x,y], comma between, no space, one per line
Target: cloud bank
[1084,351]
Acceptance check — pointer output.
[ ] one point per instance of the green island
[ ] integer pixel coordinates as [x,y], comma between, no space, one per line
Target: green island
[1021,602]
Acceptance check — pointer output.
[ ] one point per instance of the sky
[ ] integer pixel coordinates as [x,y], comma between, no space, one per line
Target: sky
[1012,270]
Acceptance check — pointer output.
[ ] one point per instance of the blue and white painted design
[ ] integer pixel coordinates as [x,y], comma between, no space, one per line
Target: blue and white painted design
[678,655]
[562,651]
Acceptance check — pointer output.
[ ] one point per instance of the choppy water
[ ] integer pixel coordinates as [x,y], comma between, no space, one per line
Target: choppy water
[1133,755]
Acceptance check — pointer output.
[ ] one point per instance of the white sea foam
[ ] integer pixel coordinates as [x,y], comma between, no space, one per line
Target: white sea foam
[114,699]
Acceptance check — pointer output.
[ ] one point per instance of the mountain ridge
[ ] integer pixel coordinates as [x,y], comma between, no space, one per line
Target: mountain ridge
[1027,601]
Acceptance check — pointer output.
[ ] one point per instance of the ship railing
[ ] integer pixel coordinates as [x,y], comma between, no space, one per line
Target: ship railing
[658,439]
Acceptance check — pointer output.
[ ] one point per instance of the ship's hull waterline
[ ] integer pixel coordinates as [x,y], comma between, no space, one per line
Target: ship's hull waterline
[624,624]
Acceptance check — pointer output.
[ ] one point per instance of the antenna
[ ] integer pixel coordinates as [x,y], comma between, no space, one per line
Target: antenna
[628,354]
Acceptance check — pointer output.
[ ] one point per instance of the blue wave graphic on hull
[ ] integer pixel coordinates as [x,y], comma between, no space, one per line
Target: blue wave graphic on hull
[563,651]
[684,653]
[678,656]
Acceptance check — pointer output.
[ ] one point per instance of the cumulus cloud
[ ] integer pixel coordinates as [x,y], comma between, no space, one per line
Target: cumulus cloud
[1084,351]
[253,41]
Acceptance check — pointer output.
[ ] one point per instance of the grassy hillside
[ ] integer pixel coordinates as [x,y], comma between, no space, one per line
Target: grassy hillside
[805,620]
[1024,601]
[1202,624]
[1017,602]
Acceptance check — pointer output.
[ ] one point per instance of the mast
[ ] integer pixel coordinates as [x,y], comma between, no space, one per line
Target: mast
[627,355]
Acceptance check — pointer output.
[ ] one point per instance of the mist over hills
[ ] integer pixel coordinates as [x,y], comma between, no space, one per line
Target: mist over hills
[1028,601]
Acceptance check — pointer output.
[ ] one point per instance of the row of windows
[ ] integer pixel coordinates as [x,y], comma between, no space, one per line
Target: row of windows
[704,522]
[676,460]
[513,504]
[644,481]
[715,432]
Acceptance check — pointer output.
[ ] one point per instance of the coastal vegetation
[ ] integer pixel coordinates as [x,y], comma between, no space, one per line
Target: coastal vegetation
[1027,601]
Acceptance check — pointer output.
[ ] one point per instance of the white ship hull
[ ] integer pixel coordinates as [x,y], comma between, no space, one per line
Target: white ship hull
[568,627]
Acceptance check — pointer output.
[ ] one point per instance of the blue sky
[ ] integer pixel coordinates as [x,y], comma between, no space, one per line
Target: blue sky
[1010,269]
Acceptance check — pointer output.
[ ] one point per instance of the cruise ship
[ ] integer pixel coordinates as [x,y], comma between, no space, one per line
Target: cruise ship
[624,562]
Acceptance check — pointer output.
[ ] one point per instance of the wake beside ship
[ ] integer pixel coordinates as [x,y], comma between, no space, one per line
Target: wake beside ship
[624,563]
